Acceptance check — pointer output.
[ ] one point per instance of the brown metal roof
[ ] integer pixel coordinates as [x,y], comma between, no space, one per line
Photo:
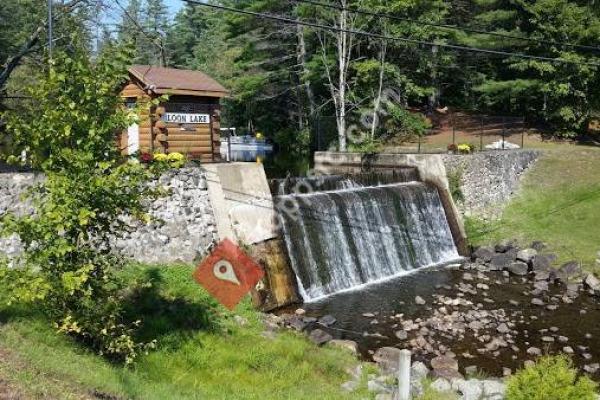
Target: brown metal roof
[170,80]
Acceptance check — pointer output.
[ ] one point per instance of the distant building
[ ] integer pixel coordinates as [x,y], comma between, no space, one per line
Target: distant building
[188,123]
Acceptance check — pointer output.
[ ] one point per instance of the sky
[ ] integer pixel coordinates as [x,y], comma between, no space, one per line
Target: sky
[174,5]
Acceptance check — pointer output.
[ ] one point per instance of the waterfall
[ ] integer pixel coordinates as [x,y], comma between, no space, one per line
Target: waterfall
[341,239]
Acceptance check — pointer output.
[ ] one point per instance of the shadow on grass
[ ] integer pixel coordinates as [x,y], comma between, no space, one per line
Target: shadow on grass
[167,318]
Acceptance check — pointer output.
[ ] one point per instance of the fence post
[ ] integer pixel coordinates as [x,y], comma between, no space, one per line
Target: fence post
[229,145]
[404,375]
[481,136]
[523,133]
[503,131]
[419,149]
[453,129]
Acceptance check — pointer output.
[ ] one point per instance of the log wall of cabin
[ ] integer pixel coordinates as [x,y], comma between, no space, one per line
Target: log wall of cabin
[199,141]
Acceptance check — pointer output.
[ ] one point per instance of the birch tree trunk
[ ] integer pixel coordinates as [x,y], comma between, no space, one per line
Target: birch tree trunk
[343,59]
[377,103]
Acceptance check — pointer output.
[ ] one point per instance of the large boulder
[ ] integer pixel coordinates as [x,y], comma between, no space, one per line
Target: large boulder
[483,254]
[592,282]
[444,362]
[527,255]
[543,262]
[570,269]
[518,268]
[502,260]
[349,345]
[320,337]
[387,358]
[505,246]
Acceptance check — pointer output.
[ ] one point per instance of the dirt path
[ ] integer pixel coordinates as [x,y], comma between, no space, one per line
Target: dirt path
[48,388]
[8,391]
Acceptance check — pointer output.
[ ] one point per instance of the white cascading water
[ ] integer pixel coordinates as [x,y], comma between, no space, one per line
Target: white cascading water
[341,239]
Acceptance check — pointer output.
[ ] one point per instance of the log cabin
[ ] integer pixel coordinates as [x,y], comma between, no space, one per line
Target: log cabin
[188,122]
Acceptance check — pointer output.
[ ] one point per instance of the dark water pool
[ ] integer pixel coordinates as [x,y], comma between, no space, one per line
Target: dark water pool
[550,329]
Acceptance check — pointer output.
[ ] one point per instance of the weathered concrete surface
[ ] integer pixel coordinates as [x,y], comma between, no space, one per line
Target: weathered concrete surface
[431,170]
[241,198]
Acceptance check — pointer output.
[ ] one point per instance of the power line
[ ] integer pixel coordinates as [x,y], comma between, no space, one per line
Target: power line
[384,37]
[444,26]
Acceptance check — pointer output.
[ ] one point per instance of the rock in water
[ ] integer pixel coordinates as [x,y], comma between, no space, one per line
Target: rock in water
[320,337]
[401,334]
[327,320]
[419,300]
[444,362]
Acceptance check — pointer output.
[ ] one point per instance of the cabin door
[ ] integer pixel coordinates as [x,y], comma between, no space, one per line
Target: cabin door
[133,139]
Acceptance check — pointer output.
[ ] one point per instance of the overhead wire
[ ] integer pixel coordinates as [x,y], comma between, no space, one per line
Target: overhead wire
[320,26]
[444,26]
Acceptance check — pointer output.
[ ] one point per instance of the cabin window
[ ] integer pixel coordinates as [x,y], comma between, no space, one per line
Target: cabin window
[130,103]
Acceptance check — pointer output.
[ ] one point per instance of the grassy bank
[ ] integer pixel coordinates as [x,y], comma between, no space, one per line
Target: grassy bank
[203,353]
[559,203]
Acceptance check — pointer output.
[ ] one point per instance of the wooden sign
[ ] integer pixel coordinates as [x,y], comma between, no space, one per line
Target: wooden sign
[184,118]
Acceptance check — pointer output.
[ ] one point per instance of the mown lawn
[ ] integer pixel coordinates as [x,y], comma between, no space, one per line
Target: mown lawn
[559,203]
[203,353]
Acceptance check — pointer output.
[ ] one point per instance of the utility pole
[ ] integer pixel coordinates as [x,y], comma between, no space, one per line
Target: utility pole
[50,28]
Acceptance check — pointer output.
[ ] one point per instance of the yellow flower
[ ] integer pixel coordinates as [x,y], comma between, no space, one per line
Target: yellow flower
[160,157]
[175,156]
[464,148]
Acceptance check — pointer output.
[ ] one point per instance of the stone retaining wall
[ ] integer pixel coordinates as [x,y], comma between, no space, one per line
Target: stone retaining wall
[182,230]
[488,179]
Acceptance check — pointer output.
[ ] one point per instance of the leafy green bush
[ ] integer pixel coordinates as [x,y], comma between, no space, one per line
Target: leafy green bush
[401,122]
[551,378]
[67,267]
[455,181]
[368,146]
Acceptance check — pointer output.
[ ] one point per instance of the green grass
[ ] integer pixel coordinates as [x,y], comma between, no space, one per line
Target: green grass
[203,353]
[559,203]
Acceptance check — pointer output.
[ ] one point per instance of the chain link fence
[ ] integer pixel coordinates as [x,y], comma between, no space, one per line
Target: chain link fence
[480,132]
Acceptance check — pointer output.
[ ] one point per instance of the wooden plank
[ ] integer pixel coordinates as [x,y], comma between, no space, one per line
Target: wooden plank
[198,128]
[187,137]
[190,149]
[193,143]
[178,131]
